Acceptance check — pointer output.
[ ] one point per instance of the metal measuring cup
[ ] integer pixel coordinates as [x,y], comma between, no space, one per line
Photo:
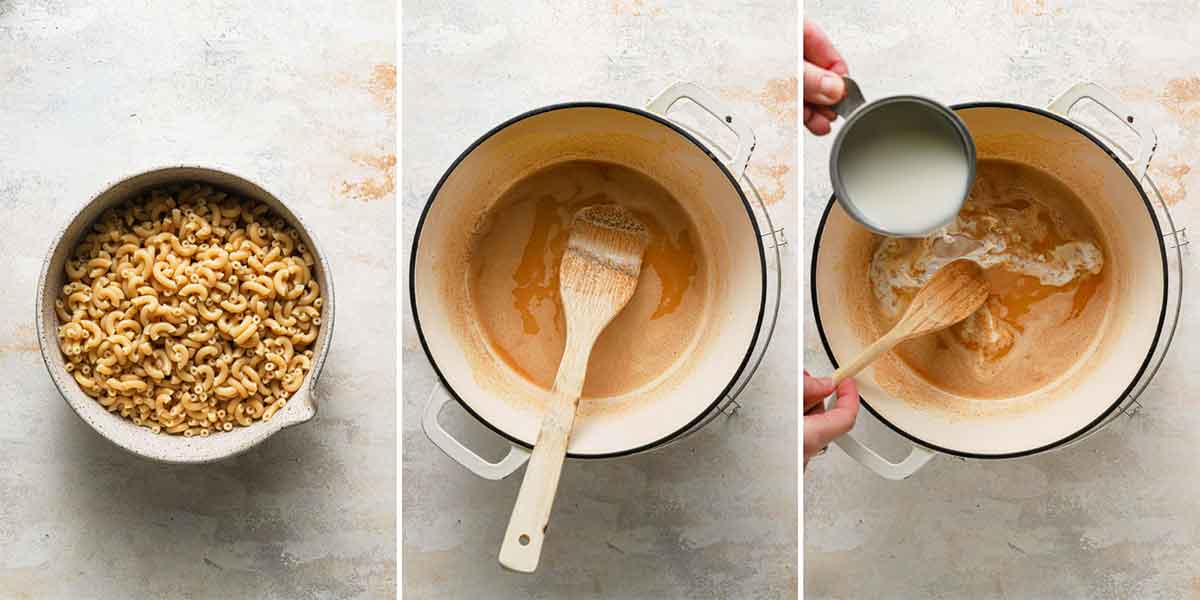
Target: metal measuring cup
[857,112]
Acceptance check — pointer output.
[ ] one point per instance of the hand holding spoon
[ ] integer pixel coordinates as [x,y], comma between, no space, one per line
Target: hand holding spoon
[951,295]
[598,276]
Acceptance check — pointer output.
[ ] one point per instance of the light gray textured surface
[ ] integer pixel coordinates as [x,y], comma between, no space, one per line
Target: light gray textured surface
[298,101]
[714,516]
[1114,517]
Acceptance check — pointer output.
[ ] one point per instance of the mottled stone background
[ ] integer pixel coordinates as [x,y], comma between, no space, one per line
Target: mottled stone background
[1114,517]
[298,98]
[711,517]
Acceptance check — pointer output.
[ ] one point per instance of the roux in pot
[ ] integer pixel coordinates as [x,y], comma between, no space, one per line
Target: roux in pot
[1044,259]
[513,278]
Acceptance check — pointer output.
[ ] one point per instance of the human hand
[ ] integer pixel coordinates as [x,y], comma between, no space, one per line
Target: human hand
[822,426]
[823,85]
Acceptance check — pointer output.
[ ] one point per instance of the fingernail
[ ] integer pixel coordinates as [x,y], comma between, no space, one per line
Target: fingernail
[825,381]
[831,87]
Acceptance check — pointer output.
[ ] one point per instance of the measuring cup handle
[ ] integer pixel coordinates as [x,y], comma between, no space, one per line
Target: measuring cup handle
[851,100]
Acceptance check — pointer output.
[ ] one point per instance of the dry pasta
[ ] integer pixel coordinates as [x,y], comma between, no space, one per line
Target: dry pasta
[189,311]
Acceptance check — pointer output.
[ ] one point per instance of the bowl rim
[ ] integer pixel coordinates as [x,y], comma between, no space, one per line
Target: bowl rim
[199,452]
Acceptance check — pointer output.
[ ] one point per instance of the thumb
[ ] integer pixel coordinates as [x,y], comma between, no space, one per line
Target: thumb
[835,422]
[821,86]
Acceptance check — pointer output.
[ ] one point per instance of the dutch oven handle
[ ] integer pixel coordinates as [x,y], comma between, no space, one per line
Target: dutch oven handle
[460,453]
[736,163]
[917,456]
[1147,139]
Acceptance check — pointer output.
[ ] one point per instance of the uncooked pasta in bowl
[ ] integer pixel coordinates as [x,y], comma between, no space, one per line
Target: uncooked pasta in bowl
[189,311]
[185,314]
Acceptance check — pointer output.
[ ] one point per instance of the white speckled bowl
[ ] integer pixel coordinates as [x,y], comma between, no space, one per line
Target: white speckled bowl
[141,441]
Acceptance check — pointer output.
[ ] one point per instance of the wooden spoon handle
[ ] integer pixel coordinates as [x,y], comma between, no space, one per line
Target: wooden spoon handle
[865,358]
[522,545]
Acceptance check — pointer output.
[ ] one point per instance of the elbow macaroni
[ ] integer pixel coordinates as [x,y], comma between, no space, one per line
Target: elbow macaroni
[189,311]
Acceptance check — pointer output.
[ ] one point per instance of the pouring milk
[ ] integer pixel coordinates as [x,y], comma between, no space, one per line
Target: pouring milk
[901,165]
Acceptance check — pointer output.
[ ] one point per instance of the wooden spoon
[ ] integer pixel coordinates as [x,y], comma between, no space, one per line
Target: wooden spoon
[597,278]
[951,295]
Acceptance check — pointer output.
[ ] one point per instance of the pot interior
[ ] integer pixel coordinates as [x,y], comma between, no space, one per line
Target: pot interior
[614,419]
[1064,407]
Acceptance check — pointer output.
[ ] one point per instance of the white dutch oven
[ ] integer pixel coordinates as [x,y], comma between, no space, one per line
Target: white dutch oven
[1106,378]
[703,178]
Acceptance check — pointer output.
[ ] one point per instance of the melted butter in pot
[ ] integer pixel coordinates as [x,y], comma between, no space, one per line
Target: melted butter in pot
[1045,262]
[514,274]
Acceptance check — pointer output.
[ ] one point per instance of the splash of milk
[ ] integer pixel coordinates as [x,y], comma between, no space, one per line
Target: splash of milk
[906,264]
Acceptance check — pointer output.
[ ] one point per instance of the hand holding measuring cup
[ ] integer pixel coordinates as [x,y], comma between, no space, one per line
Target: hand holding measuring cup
[901,165]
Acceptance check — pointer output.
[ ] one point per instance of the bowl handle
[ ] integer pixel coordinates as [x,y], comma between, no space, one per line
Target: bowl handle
[736,163]
[460,453]
[1147,139]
